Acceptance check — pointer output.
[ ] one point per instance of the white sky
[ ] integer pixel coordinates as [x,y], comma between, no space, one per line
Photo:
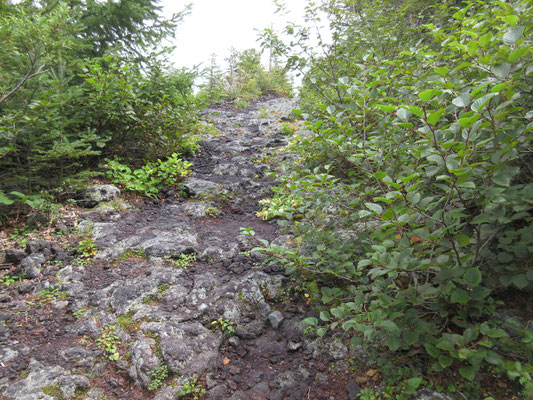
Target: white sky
[217,25]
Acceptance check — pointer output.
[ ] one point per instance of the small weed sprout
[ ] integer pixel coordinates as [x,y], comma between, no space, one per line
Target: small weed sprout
[158,377]
[184,260]
[78,314]
[8,280]
[263,112]
[192,388]
[87,248]
[227,327]
[212,212]
[49,295]
[287,128]
[242,104]
[109,342]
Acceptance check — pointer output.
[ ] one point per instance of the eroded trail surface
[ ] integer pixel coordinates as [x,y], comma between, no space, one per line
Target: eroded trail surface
[112,328]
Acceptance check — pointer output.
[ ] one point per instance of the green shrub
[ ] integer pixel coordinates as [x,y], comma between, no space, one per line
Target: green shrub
[152,177]
[69,98]
[416,193]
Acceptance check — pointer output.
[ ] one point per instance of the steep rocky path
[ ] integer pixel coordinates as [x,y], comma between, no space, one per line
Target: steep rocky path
[174,291]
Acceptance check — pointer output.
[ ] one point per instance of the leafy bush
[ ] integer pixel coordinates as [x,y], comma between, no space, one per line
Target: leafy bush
[152,177]
[68,98]
[416,192]
[245,79]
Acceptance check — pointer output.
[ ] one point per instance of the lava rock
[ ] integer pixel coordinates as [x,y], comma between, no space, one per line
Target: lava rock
[143,360]
[276,318]
[31,265]
[15,256]
[97,194]
[26,287]
[294,346]
[198,187]
[38,246]
[30,388]
[187,347]
[353,390]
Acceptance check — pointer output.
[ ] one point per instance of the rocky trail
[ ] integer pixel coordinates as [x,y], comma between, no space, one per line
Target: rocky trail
[174,304]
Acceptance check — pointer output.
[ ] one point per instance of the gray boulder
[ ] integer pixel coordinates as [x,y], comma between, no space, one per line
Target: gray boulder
[31,387]
[187,348]
[275,318]
[31,265]
[14,255]
[97,194]
[200,187]
[143,360]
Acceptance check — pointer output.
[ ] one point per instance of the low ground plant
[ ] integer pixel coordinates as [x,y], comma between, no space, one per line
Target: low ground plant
[152,177]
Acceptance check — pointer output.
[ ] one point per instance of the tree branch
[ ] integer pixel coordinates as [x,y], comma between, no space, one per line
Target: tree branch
[28,76]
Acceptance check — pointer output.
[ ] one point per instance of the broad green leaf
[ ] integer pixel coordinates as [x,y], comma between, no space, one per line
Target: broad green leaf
[443,259]
[416,111]
[501,70]
[468,122]
[385,107]
[517,54]
[460,296]
[510,20]
[445,345]
[324,316]
[497,333]
[463,240]
[389,325]
[374,207]
[520,281]
[434,116]
[4,199]
[356,341]
[414,383]
[468,372]
[445,361]
[493,357]
[403,114]
[462,101]
[321,331]
[393,342]
[485,39]
[442,71]
[312,321]
[344,80]
[427,95]
[481,219]
[529,274]
[478,104]
[498,88]
[410,337]
[472,276]
[436,158]
[432,350]
[501,178]
[452,163]
[512,35]
[338,311]
[364,213]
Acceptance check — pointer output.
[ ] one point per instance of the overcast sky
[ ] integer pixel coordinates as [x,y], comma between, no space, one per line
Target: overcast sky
[217,25]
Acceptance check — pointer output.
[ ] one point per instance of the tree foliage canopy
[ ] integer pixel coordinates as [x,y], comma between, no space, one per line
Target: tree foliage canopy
[414,200]
[83,80]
